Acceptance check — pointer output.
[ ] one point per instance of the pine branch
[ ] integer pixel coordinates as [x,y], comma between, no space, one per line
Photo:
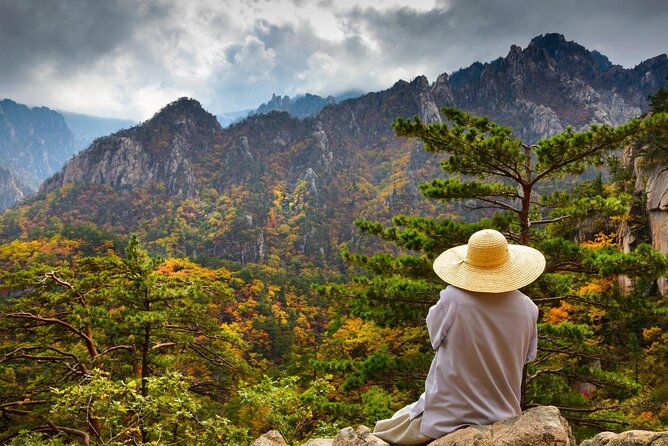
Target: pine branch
[90,343]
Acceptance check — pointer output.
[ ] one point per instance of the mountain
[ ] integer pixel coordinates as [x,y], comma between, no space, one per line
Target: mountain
[87,128]
[300,107]
[284,191]
[229,118]
[304,106]
[554,83]
[34,142]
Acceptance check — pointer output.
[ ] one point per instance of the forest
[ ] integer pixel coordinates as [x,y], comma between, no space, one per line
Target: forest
[105,342]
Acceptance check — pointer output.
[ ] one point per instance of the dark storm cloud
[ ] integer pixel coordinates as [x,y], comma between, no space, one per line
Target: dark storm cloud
[462,31]
[128,58]
[63,34]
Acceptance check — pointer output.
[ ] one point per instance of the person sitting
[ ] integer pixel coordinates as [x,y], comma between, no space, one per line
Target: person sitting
[483,331]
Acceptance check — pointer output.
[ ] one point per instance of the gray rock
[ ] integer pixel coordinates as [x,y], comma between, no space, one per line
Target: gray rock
[271,438]
[361,436]
[629,438]
[538,426]
[319,442]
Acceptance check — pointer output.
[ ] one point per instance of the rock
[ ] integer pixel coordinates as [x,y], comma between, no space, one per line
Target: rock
[361,436]
[652,180]
[538,426]
[271,438]
[319,442]
[629,438]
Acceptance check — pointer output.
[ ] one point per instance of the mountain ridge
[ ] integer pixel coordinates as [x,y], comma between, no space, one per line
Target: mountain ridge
[274,188]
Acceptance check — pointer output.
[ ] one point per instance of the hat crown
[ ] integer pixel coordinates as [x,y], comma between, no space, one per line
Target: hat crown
[487,249]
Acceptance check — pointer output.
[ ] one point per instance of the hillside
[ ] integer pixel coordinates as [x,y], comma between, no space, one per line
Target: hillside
[280,190]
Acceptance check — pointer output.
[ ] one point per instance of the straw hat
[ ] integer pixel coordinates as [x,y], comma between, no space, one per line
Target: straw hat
[489,264]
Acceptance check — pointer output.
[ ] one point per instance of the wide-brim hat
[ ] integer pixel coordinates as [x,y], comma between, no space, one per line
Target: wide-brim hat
[489,264]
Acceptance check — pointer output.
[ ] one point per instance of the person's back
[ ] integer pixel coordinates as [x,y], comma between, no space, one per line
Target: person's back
[476,375]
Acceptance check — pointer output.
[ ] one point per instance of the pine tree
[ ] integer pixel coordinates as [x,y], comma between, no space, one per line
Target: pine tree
[535,194]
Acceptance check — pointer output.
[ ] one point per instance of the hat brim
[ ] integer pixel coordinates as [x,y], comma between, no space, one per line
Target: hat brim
[524,266]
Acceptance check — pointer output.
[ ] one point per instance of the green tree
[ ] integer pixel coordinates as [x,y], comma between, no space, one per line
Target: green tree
[534,193]
[132,318]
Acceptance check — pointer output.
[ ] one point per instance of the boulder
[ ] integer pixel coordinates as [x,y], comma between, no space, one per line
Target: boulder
[628,438]
[319,442]
[538,426]
[271,438]
[361,436]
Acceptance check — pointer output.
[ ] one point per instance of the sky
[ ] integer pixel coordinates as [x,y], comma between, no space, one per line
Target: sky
[129,58]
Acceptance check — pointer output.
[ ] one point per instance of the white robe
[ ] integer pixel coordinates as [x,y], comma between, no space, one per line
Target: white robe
[482,341]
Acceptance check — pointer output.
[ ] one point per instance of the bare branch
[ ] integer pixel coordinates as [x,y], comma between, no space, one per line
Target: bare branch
[552,220]
[90,343]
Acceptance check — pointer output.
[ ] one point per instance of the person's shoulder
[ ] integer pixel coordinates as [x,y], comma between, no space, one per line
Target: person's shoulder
[526,300]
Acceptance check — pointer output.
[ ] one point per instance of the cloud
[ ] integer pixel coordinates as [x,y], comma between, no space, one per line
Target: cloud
[127,58]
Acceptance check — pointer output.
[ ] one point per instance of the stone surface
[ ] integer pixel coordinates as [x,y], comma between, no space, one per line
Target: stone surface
[629,438]
[652,180]
[361,436]
[271,438]
[319,442]
[538,426]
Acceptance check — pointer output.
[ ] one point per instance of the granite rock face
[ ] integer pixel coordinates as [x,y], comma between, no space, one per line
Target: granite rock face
[538,426]
[160,151]
[554,83]
[651,179]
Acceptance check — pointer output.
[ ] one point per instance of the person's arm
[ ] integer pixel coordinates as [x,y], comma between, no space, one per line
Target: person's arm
[439,319]
[533,341]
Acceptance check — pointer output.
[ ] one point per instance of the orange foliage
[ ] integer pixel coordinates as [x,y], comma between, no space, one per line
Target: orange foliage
[557,315]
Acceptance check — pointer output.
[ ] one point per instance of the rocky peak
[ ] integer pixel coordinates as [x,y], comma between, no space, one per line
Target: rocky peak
[183,112]
[161,150]
[301,107]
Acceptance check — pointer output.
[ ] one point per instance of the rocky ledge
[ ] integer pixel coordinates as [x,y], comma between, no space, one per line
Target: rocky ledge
[538,426]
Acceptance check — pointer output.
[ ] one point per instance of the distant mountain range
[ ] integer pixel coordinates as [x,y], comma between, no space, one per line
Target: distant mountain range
[301,106]
[273,188]
[34,142]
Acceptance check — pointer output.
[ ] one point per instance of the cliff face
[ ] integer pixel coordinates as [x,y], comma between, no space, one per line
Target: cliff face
[651,180]
[34,142]
[159,151]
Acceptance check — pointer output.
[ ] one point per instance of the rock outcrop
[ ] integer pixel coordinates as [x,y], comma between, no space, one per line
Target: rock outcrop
[629,438]
[305,106]
[271,438]
[651,180]
[159,151]
[361,436]
[554,83]
[538,426]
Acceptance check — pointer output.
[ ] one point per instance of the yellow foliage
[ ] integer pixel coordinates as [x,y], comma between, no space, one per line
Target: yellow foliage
[601,240]
[596,286]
